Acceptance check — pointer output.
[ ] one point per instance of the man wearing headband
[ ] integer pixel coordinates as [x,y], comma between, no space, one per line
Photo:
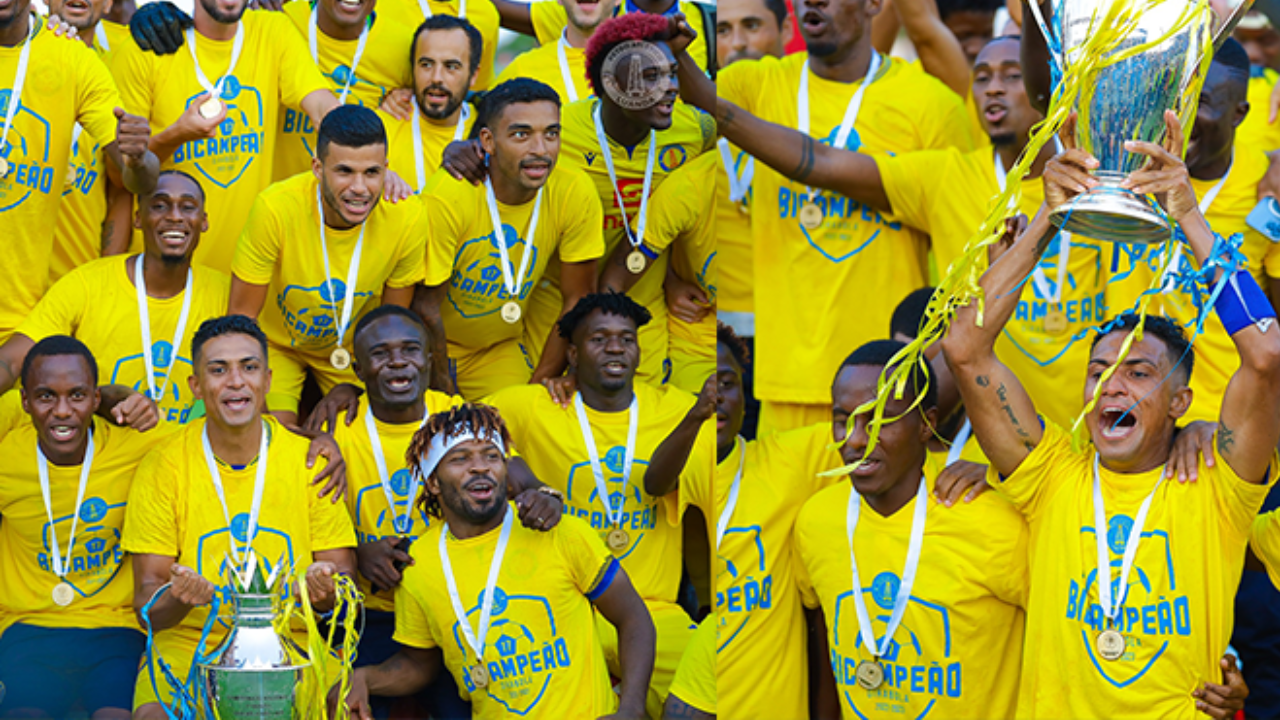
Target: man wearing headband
[501,607]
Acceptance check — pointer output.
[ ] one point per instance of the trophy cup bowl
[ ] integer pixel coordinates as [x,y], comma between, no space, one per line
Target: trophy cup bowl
[257,671]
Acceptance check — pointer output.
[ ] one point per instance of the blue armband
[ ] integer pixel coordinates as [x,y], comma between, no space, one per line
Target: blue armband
[1242,303]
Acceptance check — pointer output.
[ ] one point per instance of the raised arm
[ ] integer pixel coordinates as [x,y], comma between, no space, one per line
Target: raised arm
[668,461]
[939,50]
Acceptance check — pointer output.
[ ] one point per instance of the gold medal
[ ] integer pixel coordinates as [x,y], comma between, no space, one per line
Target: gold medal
[479,676]
[4,168]
[70,180]
[63,594]
[618,540]
[511,312]
[210,108]
[1110,644]
[340,359]
[636,262]
[811,216]
[1055,322]
[870,675]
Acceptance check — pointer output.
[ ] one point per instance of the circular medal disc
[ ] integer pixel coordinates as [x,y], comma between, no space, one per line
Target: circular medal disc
[210,108]
[63,594]
[618,539]
[340,359]
[636,262]
[1110,644]
[511,312]
[1055,322]
[70,180]
[4,167]
[479,676]
[811,216]
[870,675]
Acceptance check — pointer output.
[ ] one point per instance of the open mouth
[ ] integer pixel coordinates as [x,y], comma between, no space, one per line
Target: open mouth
[399,384]
[1116,422]
[75,8]
[63,433]
[358,206]
[813,22]
[173,240]
[536,170]
[481,490]
[614,368]
[435,96]
[994,113]
[238,403]
[349,5]
[868,468]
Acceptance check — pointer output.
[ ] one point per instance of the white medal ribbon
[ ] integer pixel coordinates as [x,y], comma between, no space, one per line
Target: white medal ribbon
[908,571]
[957,444]
[1111,610]
[76,132]
[512,285]
[236,46]
[100,37]
[739,185]
[155,392]
[19,79]
[1166,279]
[400,523]
[259,482]
[569,88]
[476,638]
[313,41]
[353,273]
[418,161]
[613,515]
[1051,294]
[426,8]
[62,567]
[726,514]
[850,111]
[642,217]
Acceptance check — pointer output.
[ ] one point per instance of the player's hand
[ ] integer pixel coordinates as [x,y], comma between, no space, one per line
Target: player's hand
[356,703]
[538,510]
[398,104]
[376,561]
[960,479]
[62,28]
[1013,227]
[561,389]
[335,470]
[320,585]
[1164,175]
[191,125]
[685,300]
[275,5]
[1223,701]
[705,408]
[136,411]
[682,33]
[1189,445]
[189,587]
[464,160]
[344,397]
[626,714]
[1066,175]
[158,27]
[395,189]
[133,137]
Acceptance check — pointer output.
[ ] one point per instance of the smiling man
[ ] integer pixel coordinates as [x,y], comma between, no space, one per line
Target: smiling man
[320,250]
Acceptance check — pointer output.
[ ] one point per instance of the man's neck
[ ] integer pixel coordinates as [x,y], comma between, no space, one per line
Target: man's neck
[235,445]
[15,32]
[87,36]
[653,7]
[70,459]
[620,128]
[163,279]
[577,37]
[724,451]
[897,496]
[1212,169]
[511,192]
[605,401]
[1152,459]
[845,67]
[411,414]
[212,29]
[333,219]
[462,530]
[331,29]
[449,121]
[1009,156]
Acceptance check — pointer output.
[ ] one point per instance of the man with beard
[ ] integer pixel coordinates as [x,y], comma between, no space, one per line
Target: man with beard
[304,249]
[562,63]
[490,246]
[530,623]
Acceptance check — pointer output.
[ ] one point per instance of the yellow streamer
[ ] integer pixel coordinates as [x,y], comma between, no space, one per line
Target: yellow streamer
[347,604]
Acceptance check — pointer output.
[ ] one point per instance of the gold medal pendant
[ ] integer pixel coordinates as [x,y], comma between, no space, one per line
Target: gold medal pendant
[70,180]
[869,674]
[618,540]
[511,312]
[811,216]
[479,676]
[63,594]
[4,168]
[210,108]
[1110,644]
[340,359]
[636,262]
[1055,322]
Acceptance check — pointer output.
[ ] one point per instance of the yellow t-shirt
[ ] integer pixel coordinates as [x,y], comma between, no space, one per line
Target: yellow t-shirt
[695,681]
[1181,594]
[280,248]
[381,70]
[464,253]
[98,572]
[550,20]
[401,158]
[542,650]
[1256,133]
[947,193]
[543,64]
[859,260]
[1136,266]
[12,416]
[65,83]
[274,70]
[483,14]
[1264,540]
[958,649]
[98,305]
[733,238]
[550,440]
[366,500]
[175,512]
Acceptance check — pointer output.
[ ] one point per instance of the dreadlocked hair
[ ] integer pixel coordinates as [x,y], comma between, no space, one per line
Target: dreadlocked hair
[475,418]
[737,346]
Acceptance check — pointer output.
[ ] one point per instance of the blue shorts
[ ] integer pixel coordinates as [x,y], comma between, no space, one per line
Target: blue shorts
[54,669]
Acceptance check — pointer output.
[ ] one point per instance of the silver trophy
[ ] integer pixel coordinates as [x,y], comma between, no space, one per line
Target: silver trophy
[1126,100]
[256,672]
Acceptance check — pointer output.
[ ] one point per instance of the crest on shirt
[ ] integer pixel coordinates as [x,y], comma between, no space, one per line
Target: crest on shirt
[477,288]
[309,312]
[743,587]
[96,556]
[27,154]
[415,521]
[131,370]
[224,158]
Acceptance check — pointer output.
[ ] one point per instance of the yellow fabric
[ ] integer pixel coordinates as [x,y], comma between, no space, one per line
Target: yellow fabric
[175,512]
[543,64]
[1256,133]
[289,369]
[733,241]
[482,372]
[463,252]
[12,416]
[1179,611]
[99,571]
[1137,265]
[691,133]
[695,681]
[781,417]
[275,70]
[480,13]
[1264,540]
[971,452]
[435,138]
[675,630]
[550,20]
[542,652]
[959,646]
[98,305]
[947,194]
[381,70]
[859,261]
[550,440]
[66,83]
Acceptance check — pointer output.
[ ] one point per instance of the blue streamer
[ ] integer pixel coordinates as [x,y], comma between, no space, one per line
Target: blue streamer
[186,695]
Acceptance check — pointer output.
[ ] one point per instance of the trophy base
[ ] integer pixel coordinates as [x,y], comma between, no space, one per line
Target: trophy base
[1109,213]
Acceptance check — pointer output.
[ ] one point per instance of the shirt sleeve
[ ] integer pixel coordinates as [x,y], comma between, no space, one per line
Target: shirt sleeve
[674,209]
[11,413]
[60,311]
[330,522]
[299,75]
[549,19]
[1238,500]
[442,231]
[151,523]
[695,680]
[98,98]
[808,596]
[1039,475]
[697,481]
[910,180]
[591,565]
[582,238]
[739,83]
[413,619]
[258,249]
[411,267]
[946,122]
[135,72]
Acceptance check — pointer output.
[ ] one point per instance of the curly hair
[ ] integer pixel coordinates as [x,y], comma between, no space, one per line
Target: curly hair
[615,31]
[609,303]
[475,418]
[737,346]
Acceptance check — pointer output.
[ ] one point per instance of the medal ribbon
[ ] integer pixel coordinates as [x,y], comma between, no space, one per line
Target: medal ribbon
[512,286]
[642,217]
[475,638]
[1111,610]
[850,111]
[1168,281]
[62,567]
[732,502]
[259,481]
[418,162]
[614,516]
[375,442]
[353,273]
[236,47]
[154,392]
[100,37]
[908,571]
[570,89]
[19,79]
[426,9]
[313,41]
[739,185]
[957,445]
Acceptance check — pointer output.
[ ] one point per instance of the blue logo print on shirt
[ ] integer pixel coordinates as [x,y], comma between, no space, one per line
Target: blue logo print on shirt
[477,289]
[582,501]
[175,398]
[416,523]
[224,159]
[97,556]
[1083,301]
[27,152]
[741,589]
[312,324]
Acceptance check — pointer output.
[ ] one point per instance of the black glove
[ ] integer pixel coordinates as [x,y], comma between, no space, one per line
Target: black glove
[158,27]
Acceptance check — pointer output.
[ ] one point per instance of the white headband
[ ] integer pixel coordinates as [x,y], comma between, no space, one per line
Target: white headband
[442,443]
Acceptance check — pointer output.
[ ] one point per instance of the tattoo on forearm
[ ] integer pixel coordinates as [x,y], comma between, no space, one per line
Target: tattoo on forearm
[1226,439]
[677,708]
[727,115]
[802,171]
[1023,435]
[982,380]
[108,230]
